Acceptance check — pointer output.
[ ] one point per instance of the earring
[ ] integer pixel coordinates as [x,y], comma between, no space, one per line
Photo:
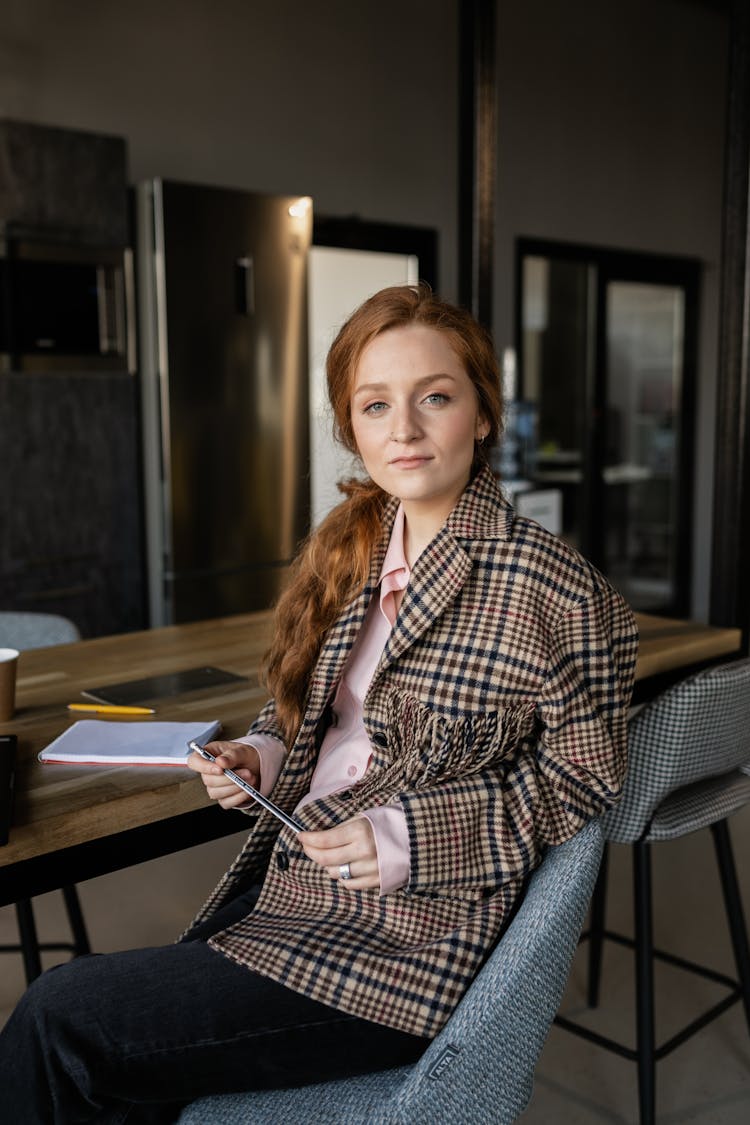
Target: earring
[480,440]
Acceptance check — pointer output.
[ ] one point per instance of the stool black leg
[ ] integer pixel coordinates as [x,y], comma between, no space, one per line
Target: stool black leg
[733,904]
[596,930]
[644,990]
[32,961]
[77,924]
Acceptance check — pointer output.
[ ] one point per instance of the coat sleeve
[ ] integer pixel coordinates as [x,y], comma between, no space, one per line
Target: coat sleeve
[477,831]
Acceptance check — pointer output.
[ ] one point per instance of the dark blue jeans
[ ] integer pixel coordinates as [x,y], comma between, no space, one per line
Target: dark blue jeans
[131,1037]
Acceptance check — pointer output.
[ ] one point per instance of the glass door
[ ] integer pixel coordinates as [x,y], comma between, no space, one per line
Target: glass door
[645,347]
[607,342]
[559,299]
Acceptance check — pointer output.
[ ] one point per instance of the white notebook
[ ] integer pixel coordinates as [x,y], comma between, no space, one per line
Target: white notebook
[102,742]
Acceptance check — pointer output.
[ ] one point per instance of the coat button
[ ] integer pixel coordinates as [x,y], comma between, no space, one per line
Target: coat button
[282,861]
[380,739]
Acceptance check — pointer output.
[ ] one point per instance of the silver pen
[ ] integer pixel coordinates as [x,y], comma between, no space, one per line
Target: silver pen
[289,821]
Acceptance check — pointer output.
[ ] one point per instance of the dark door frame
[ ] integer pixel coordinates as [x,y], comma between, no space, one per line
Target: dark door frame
[656,269]
[477,149]
[730,566]
[352,233]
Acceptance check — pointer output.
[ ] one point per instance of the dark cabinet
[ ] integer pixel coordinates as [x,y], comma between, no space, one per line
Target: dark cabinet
[70,537]
[70,523]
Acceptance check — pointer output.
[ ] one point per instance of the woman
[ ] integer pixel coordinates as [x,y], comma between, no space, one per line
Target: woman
[449,690]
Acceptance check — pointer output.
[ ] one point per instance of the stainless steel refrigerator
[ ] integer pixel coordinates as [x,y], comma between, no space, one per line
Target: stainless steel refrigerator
[222,303]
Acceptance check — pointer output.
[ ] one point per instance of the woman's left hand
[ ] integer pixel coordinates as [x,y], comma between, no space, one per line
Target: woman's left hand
[352,843]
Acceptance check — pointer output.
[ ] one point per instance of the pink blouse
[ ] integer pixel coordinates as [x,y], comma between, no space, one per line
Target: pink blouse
[345,751]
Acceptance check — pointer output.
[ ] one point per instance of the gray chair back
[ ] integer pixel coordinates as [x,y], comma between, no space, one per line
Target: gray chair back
[481,1065]
[35,630]
[686,750]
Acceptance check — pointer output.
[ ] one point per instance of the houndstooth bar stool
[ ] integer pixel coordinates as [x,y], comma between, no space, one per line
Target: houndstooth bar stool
[24,631]
[689,769]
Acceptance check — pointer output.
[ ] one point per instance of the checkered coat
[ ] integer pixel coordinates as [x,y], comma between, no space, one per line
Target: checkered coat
[497,721]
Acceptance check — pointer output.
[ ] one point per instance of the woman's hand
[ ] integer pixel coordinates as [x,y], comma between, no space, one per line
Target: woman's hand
[245,762]
[352,842]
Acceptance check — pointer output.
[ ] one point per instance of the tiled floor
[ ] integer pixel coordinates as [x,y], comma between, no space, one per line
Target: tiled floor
[704,1082]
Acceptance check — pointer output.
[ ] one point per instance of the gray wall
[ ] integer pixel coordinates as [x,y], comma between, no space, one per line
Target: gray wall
[352,103]
[611,129]
[611,119]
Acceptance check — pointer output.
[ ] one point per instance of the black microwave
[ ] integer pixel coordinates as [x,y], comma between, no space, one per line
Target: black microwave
[65,308]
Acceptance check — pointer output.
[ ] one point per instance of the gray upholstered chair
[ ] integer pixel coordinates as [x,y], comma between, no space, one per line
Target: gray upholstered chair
[481,1065]
[24,631]
[688,770]
[35,630]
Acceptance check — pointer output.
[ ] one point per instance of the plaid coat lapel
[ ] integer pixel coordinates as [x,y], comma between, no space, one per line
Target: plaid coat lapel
[335,650]
[438,575]
[344,632]
[443,568]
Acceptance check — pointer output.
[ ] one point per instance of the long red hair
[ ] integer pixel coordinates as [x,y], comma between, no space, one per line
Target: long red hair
[334,562]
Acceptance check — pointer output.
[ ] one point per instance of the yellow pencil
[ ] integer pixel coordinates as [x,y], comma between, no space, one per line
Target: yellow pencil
[110,709]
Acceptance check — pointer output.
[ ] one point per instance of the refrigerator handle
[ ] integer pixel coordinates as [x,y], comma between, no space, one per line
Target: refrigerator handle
[244,285]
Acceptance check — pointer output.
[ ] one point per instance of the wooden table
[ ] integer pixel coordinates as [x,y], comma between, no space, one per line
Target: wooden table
[73,823]
[671,648]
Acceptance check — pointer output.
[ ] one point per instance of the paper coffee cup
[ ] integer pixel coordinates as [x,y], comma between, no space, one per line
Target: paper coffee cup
[8,665]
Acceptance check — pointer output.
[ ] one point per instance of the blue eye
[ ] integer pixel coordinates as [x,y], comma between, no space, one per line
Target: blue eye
[374,408]
[436,399]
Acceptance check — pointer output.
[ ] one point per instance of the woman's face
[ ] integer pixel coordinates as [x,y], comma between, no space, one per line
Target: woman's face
[415,417]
